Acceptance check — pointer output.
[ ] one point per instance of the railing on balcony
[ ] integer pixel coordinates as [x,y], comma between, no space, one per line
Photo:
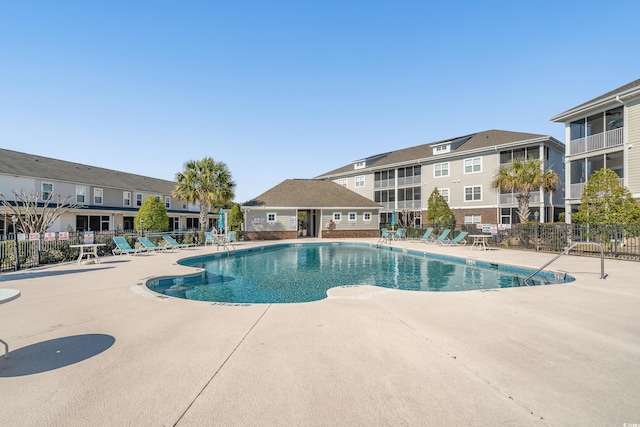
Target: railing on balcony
[409,180]
[512,198]
[576,190]
[409,204]
[384,183]
[599,141]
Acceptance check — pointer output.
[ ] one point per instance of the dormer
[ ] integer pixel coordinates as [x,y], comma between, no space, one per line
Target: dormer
[441,148]
[360,164]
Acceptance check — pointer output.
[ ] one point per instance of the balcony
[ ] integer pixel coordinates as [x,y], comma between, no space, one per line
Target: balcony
[512,198]
[384,183]
[409,180]
[576,190]
[599,141]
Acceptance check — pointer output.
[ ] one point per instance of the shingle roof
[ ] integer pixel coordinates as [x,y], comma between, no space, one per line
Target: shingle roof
[609,95]
[38,167]
[464,143]
[311,193]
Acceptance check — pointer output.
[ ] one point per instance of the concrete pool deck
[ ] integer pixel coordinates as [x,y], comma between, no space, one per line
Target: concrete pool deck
[90,345]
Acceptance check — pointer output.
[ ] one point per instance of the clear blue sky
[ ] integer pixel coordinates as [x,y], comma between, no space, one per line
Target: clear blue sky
[292,89]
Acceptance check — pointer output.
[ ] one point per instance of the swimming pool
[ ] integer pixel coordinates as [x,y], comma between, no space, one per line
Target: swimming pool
[288,273]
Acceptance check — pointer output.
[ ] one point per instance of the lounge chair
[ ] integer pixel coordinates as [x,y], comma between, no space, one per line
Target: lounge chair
[426,236]
[458,240]
[123,247]
[150,246]
[441,237]
[174,244]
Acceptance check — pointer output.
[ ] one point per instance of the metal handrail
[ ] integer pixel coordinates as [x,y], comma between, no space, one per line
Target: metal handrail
[566,251]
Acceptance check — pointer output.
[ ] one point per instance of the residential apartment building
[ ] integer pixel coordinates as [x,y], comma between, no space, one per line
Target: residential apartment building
[462,169]
[106,199]
[601,133]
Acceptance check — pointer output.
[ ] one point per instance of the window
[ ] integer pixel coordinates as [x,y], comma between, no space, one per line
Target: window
[366,217]
[440,149]
[81,194]
[343,182]
[473,193]
[271,217]
[126,198]
[46,190]
[97,196]
[359,181]
[444,192]
[472,219]
[473,165]
[337,216]
[352,216]
[360,165]
[441,169]
[138,199]
[167,202]
[185,206]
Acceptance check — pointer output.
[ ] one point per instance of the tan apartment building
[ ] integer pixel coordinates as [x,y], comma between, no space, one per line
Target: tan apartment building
[462,169]
[601,133]
[106,199]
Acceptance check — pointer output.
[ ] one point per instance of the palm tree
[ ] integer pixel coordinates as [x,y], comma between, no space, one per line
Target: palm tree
[207,182]
[523,177]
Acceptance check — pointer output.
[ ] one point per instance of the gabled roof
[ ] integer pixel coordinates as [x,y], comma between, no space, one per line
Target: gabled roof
[311,194]
[45,168]
[486,139]
[629,89]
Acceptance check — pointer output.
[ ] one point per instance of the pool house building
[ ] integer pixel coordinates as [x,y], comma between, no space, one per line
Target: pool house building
[298,208]
[602,133]
[462,169]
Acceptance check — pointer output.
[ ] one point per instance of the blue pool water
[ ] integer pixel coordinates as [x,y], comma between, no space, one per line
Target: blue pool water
[304,272]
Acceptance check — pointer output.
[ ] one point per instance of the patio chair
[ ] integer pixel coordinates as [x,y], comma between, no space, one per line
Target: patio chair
[385,236]
[174,244]
[123,247]
[211,238]
[227,240]
[426,236]
[441,237]
[401,234]
[150,246]
[458,240]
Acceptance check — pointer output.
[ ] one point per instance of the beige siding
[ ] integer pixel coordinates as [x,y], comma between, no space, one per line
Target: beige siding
[632,123]
[345,224]
[286,220]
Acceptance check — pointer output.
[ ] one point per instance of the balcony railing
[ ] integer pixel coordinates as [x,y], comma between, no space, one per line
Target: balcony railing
[409,204]
[576,190]
[384,183]
[409,180]
[512,198]
[599,141]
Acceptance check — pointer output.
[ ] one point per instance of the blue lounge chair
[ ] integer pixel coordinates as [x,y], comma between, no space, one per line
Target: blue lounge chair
[150,246]
[123,247]
[458,240]
[174,244]
[441,237]
[426,236]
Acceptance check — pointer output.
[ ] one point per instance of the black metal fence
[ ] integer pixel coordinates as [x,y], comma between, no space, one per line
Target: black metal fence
[618,241]
[33,253]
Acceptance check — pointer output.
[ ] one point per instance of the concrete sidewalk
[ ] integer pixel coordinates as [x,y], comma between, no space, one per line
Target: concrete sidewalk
[90,345]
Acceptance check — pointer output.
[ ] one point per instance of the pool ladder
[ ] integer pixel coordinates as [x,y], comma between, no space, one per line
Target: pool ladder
[566,251]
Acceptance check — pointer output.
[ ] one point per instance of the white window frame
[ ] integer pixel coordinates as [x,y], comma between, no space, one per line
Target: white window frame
[343,182]
[445,192]
[360,165]
[366,216]
[360,181]
[98,196]
[139,199]
[473,193]
[167,202]
[471,163]
[353,216]
[44,192]
[473,219]
[81,191]
[337,216]
[185,206]
[441,149]
[440,167]
[272,217]
[126,198]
